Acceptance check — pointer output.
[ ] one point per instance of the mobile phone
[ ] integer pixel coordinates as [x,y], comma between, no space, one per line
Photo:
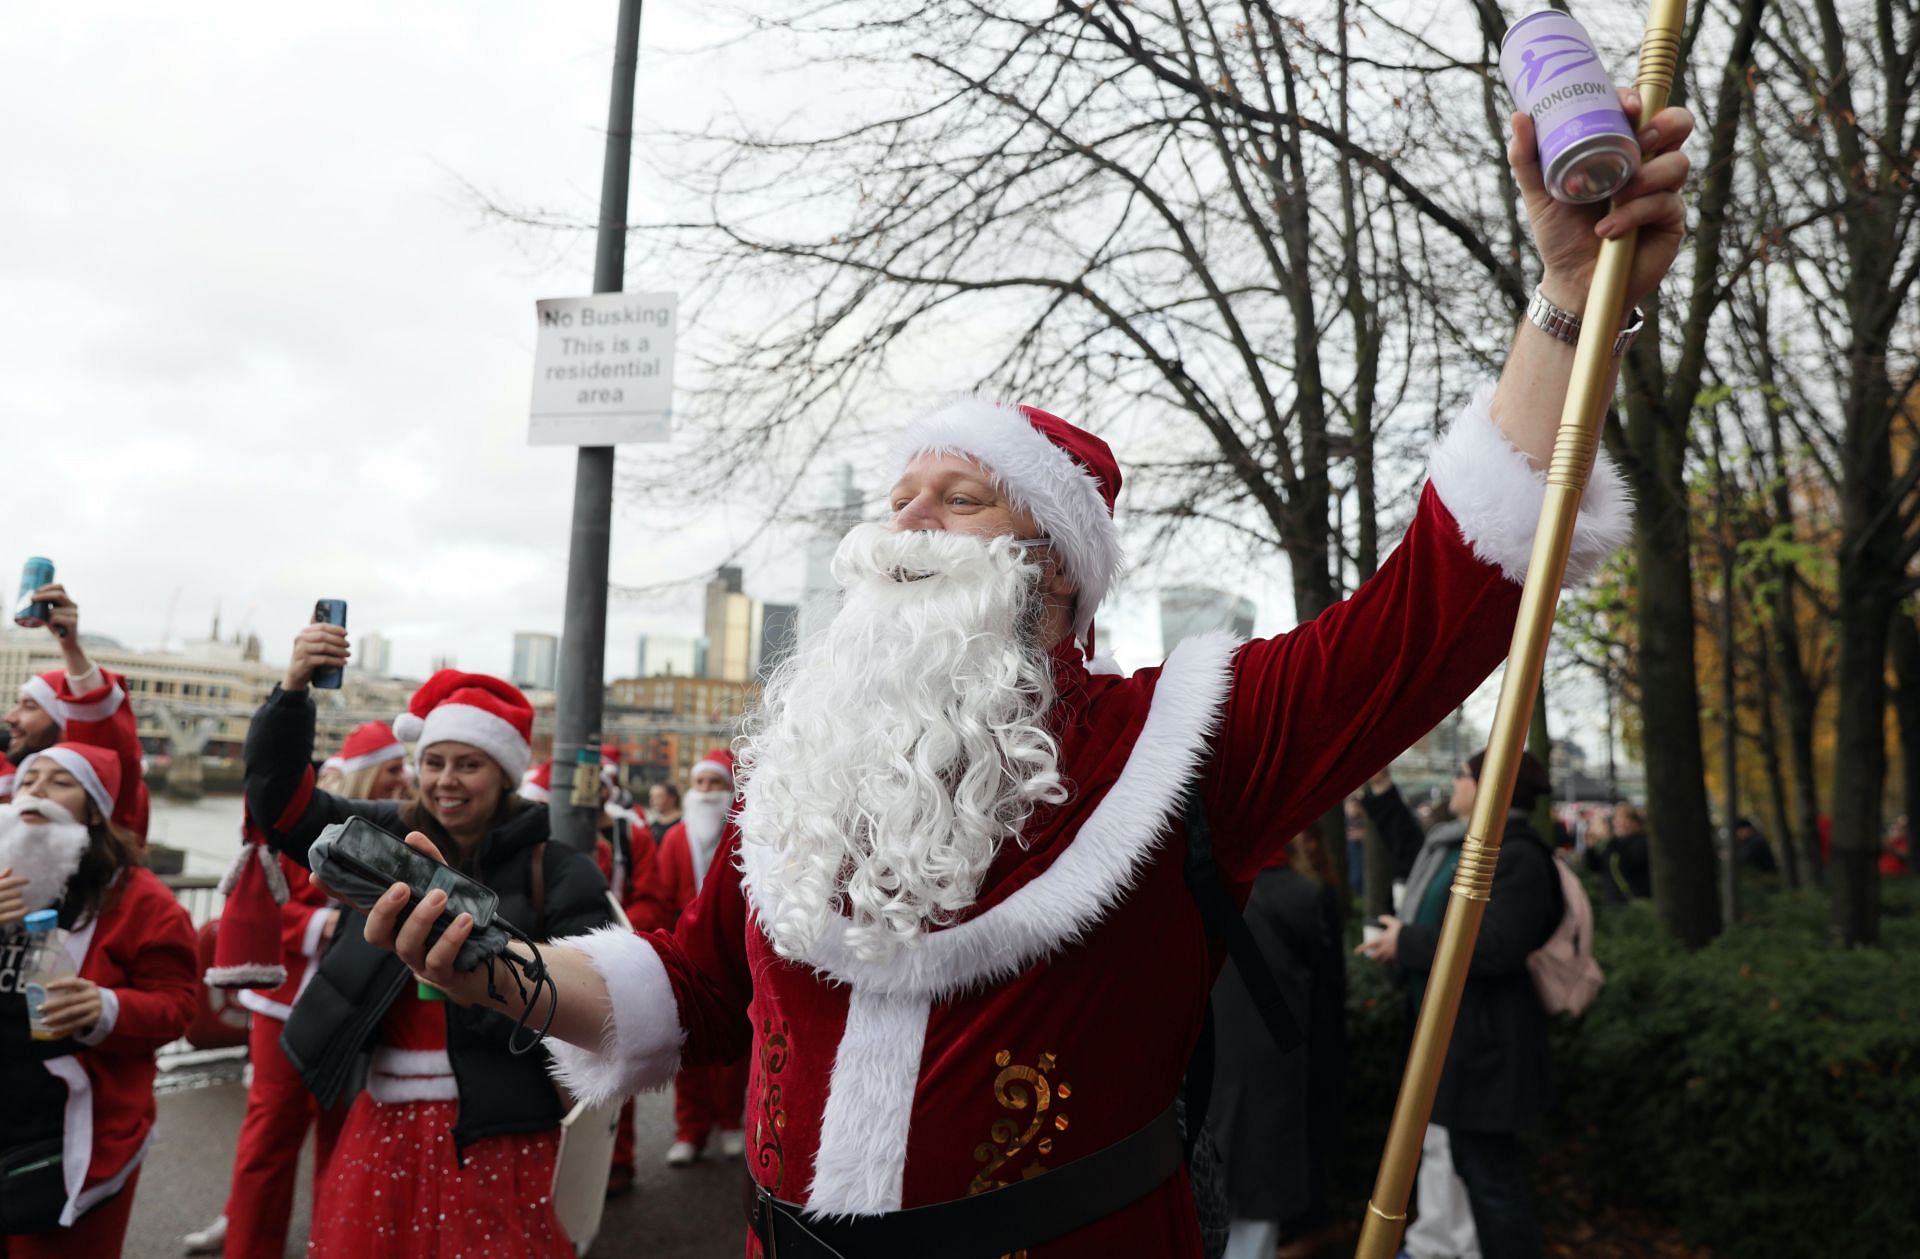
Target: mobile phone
[329,612]
[380,859]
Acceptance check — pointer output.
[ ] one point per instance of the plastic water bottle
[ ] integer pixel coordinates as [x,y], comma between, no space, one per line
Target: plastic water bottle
[47,961]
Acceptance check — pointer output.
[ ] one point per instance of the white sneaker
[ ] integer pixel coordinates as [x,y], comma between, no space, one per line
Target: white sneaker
[682,1154]
[733,1144]
[210,1240]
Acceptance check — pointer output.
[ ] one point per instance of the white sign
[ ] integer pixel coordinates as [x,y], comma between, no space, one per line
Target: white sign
[603,369]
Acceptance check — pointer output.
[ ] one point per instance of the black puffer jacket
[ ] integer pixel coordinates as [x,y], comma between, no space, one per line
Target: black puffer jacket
[337,1018]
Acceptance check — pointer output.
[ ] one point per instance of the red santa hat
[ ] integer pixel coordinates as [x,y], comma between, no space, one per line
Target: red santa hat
[1063,476]
[456,707]
[610,763]
[97,770]
[248,951]
[370,744]
[719,761]
[537,783]
[46,694]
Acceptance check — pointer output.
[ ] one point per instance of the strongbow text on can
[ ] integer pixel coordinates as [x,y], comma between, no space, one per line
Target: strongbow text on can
[37,573]
[1587,147]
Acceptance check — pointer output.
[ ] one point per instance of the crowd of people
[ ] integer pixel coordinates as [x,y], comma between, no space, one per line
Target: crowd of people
[957,899]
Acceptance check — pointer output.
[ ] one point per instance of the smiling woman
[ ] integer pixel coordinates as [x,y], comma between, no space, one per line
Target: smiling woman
[451,1147]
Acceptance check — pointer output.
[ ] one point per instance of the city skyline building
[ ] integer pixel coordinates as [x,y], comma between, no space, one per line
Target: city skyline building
[372,653]
[672,655]
[820,594]
[730,628]
[1188,611]
[536,660]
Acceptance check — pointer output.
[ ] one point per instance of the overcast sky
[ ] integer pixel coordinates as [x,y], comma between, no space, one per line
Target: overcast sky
[259,345]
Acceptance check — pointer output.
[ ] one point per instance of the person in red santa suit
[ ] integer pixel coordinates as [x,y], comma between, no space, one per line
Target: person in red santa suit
[372,765]
[81,703]
[86,1094]
[955,931]
[706,1099]
[450,1150]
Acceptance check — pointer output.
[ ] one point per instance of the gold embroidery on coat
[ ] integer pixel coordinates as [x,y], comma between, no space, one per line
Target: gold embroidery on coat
[1019,1088]
[771,1120]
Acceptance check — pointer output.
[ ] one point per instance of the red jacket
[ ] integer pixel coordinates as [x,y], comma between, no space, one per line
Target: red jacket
[141,952]
[103,718]
[669,885]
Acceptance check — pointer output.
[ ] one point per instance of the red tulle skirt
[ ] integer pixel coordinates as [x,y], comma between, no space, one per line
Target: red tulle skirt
[394,1190]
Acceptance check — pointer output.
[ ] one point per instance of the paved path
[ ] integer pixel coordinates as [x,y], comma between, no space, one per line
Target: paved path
[692,1214]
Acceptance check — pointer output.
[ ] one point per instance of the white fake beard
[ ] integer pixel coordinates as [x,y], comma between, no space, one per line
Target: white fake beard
[704,814]
[894,754]
[46,852]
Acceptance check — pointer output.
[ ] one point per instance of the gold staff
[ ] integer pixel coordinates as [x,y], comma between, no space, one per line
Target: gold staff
[1573,452]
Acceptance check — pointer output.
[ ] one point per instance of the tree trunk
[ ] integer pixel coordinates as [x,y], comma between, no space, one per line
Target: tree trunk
[1680,830]
[1798,698]
[1859,753]
[1784,849]
[1906,707]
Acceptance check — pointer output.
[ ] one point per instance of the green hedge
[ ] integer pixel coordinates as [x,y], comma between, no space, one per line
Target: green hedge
[1761,1095]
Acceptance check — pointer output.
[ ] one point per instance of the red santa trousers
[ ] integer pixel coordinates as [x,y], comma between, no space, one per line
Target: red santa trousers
[396,1189]
[706,1098]
[279,1110]
[99,1234]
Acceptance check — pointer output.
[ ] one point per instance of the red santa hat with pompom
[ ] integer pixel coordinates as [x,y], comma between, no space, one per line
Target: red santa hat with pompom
[1063,476]
[473,708]
[248,949]
[719,761]
[537,783]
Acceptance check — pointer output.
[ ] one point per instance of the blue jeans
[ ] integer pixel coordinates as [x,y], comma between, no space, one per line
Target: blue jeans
[1493,1166]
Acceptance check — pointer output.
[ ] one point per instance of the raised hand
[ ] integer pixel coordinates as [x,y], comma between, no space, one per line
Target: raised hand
[1568,236]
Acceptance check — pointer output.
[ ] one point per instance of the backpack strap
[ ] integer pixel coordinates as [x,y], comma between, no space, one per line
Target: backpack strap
[538,877]
[1225,922]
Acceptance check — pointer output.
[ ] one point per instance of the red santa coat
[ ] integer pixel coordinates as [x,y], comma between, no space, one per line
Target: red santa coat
[7,775]
[302,919]
[1059,1014]
[671,884]
[141,952]
[102,718]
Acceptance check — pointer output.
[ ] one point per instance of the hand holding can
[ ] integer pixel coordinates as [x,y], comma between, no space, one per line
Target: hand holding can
[1587,147]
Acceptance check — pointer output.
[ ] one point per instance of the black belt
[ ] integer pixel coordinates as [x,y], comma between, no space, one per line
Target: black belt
[997,1222]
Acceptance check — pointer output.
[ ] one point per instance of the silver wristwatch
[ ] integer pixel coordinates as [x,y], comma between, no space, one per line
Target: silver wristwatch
[1564,325]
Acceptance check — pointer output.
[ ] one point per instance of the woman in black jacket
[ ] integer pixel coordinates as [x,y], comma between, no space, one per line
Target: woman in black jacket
[450,1149]
[1497,1080]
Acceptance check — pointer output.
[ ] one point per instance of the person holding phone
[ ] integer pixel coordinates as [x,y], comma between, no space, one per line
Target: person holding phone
[77,1110]
[451,1147]
[372,765]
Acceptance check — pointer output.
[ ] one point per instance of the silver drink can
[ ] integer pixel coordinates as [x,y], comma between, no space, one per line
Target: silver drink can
[1587,147]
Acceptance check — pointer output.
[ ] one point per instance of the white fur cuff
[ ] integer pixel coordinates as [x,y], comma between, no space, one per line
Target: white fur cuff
[640,1048]
[1495,494]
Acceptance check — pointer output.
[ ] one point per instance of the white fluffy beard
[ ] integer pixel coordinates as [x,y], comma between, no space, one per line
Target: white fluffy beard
[894,754]
[705,814]
[46,852]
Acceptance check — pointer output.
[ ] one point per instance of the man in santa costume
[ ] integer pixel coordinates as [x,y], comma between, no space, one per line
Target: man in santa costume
[80,703]
[87,1093]
[955,932]
[706,1099]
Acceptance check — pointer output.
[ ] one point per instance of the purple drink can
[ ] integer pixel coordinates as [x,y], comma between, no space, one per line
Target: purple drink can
[37,573]
[1587,147]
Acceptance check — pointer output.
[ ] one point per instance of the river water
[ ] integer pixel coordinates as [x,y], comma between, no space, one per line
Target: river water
[208,829]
